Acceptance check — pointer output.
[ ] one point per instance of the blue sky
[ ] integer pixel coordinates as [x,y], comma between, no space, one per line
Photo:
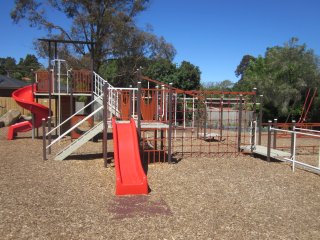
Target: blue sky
[211,34]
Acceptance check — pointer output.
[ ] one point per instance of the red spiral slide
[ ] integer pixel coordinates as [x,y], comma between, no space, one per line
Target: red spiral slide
[24,97]
[130,176]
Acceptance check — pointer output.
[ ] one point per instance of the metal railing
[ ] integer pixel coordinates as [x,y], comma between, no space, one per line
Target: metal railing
[294,147]
[73,127]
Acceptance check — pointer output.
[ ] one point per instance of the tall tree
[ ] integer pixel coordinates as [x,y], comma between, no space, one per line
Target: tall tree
[225,85]
[7,66]
[108,23]
[283,76]
[245,61]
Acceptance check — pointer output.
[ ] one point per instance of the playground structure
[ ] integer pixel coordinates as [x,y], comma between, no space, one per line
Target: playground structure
[171,123]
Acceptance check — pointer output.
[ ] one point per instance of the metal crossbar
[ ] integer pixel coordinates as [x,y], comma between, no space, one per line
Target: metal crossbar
[293,159]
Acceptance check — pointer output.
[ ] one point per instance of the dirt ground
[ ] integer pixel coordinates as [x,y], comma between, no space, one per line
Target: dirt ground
[197,198]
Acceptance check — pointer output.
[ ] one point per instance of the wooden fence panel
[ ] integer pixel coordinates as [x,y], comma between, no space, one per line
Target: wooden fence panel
[7,103]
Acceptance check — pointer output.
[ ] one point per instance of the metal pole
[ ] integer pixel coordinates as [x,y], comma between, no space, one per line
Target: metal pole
[292,138]
[157,103]
[193,112]
[275,134]
[71,94]
[55,50]
[92,81]
[44,155]
[221,117]
[33,121]
[205,119]
[105,125]
[49,137]
[170,125]
[139,109]
[269,140]
[253,131]
[130,103]
[240,124]
[184,111]
[260,119]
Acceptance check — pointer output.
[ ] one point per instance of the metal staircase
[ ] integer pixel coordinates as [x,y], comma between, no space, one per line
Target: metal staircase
[99,82]
[80,141]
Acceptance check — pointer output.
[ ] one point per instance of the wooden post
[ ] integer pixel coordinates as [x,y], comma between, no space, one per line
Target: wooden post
[240,123]
[275,134]
[44,155]
[260,119]
[170,125]
[105,124]
[269,140]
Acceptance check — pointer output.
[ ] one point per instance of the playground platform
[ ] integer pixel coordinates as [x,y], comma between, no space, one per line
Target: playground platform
[263,151]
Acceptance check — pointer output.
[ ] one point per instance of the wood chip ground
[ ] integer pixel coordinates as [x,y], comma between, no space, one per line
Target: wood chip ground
[197,198]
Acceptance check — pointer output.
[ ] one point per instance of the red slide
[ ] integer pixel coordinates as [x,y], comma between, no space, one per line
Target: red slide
[130,176]
[24,97]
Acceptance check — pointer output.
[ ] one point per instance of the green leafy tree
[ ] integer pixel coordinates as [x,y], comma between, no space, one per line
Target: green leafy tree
[245,61]
[225,85]
[7,66]
[283,76]
[108,23]
[23,70]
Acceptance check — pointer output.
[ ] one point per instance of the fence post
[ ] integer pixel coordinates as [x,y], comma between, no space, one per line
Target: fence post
[105,124]
[260,119]
[292,138]
[44,156]
[170,125]
[269,141]
[240,124]
[139,109]
[275,134]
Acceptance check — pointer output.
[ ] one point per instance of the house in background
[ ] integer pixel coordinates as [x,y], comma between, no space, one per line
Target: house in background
[8,85]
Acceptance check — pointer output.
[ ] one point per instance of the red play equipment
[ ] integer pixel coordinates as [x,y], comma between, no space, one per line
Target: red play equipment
[305,109]
[130,176]
[24,97]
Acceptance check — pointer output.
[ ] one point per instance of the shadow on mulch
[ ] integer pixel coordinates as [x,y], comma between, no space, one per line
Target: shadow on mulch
[89,157]
[138,206]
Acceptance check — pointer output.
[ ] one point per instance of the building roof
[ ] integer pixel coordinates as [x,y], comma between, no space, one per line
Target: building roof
[11,83]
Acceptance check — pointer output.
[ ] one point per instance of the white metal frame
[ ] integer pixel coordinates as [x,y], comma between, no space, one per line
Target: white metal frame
[292,159]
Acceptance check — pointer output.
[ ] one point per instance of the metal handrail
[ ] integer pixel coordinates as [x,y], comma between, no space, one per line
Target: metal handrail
[73,127]
[71,117]
[307,130]
[295,132]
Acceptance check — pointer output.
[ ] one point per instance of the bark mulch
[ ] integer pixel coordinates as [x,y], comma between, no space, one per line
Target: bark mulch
[197,198]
